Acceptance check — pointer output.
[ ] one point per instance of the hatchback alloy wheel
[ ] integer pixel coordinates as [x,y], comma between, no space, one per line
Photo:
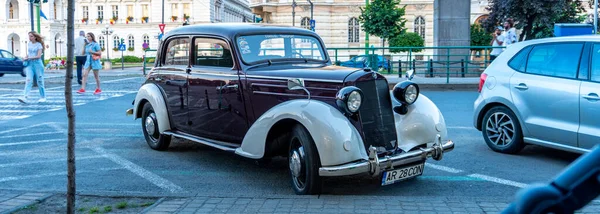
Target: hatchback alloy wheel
[502,131]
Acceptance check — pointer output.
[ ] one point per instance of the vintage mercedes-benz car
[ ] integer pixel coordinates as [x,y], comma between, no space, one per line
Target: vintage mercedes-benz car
[262,91]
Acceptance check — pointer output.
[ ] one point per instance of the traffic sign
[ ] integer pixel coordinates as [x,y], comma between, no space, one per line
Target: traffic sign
[122,47]
[162,28]
[160,36]
[312,24]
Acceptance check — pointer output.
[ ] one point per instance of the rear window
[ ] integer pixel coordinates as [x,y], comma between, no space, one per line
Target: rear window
[518,61]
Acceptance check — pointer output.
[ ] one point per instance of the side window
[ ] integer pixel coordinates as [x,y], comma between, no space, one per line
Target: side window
[177,52]
[557,60]
[518,61]
[2,55]
[7,54]
[212,52]
[595,63]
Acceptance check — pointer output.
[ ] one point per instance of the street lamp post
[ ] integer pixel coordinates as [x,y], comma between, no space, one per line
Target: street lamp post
[294,13]
[107,31]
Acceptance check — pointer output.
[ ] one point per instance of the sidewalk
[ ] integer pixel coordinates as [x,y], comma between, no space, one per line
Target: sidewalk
[13,202]
[58,76]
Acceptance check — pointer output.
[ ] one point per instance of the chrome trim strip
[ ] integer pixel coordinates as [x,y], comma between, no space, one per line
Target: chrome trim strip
[554,145]
[376,165]
[285,86]
[289,95]
[286,78]
[229,147]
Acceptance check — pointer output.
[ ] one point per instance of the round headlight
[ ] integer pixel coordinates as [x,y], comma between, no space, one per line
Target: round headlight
[354,101]
[349,99]
[411,93]
[406,92]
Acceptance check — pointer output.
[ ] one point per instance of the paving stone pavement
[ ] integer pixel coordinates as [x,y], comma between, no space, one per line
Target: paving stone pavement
[10,202]
[337,204]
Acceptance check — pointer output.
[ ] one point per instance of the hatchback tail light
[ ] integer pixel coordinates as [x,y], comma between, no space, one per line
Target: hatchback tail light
[482,81]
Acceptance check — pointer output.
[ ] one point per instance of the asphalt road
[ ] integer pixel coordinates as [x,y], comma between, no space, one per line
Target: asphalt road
[113,158]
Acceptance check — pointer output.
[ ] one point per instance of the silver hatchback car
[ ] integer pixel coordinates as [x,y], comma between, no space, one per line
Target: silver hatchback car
[543,92]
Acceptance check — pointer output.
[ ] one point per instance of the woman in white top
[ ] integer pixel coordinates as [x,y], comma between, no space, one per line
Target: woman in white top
[34,66]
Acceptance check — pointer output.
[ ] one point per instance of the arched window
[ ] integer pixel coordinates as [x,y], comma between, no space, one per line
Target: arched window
[101,41]
[353,30]
[131,41]
[116,41]
[13,9]
[147,40]
[419,26]
[305,23]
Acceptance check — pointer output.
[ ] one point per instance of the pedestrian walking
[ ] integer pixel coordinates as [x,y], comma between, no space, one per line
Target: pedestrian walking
[92,62]
[510,32]
[497,42]
[80,56]
[34,67]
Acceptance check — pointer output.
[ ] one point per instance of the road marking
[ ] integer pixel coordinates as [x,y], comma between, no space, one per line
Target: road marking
[27,135]
[461,127]
[449,178]
[23,128]
[32,142]
[94,82]
[498,180]
[444,168]
[16,178]
[4,117]
[46,161]
[138,170]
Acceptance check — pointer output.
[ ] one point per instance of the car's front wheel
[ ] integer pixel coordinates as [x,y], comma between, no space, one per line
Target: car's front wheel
[502,131]
[304,162]
[154,138]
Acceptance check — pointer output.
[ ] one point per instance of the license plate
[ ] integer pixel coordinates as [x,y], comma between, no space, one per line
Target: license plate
[393,176]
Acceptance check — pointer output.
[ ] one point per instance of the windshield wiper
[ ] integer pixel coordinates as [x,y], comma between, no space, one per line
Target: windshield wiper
[270,62]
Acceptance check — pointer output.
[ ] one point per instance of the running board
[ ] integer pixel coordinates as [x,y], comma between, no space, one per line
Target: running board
[228,147]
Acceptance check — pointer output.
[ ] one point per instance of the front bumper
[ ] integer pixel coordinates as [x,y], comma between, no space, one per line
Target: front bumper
[376,165]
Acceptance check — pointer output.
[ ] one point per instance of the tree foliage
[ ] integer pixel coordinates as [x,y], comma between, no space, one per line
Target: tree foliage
[383,18]
[407,40]
[536,18]
[479,37]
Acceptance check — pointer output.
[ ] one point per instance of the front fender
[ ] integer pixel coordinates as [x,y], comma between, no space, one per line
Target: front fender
[420,124]
[152,94]
[329,128]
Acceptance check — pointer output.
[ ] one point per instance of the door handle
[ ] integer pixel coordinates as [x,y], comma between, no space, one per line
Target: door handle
[220,88]
[521,86]
[592,96]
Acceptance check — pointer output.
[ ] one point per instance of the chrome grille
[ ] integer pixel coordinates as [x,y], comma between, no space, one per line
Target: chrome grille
[376,114]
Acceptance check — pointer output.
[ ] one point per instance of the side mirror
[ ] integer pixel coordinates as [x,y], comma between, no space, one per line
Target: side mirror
[297,84]
[410,74]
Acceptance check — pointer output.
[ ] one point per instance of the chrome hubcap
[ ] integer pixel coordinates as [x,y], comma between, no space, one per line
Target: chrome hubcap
[500,129]
[295,164]
[150,125]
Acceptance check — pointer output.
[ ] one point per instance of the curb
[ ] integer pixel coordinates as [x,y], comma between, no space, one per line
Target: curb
[444,86]
[36,201]
[148,209]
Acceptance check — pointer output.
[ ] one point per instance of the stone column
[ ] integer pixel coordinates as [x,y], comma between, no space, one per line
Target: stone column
[451,23]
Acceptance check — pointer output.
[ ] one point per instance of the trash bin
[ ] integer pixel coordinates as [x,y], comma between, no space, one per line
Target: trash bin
[572,29]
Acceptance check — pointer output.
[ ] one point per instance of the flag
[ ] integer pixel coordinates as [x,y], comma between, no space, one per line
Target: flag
[42,14]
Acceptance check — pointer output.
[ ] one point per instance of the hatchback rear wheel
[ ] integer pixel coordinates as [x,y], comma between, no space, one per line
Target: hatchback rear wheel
[502,131]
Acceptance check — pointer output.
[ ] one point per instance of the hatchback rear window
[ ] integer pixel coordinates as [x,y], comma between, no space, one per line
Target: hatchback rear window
[518,61]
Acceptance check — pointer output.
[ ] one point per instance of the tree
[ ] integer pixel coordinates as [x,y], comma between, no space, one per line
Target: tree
[535,17]
[383,18]
[407,40]
[479,37]
[69,107]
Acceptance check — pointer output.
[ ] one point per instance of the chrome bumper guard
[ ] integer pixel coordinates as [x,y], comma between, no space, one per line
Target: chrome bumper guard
[376,165]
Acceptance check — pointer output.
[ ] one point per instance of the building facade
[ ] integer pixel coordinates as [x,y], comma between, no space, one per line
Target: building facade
[136,21]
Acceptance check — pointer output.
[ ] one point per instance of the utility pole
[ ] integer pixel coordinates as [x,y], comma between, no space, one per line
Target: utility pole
[163,11]
[366,34]
[311,9]
[294,13]
[31,14]
[595,16]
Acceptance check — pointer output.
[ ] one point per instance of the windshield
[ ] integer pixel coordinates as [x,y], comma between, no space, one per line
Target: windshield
[255,48]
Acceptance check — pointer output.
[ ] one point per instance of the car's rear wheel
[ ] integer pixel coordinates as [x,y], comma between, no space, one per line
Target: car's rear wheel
[154,138]
[304,162]
[502,131]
